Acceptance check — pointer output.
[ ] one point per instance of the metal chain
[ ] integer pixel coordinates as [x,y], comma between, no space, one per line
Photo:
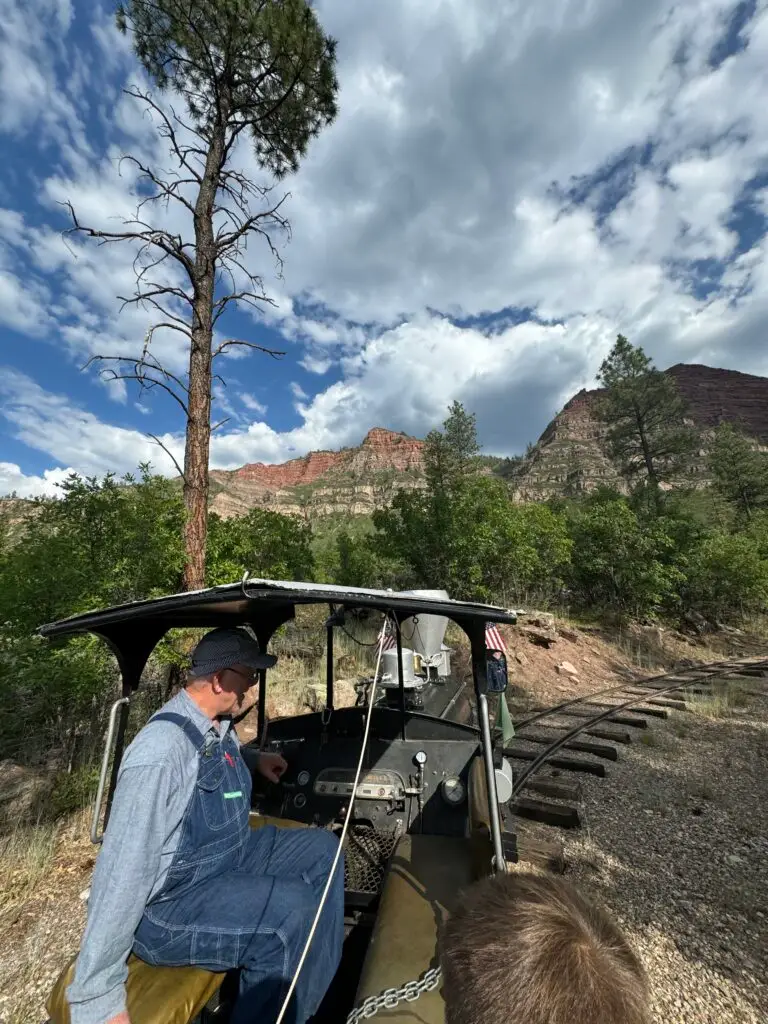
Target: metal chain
[391,997]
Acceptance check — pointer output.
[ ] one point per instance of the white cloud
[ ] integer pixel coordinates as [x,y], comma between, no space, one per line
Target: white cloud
[14,481]
[52,423]
[32,95]
[22,304]
[316,364]
[579,161]
[252,404]
[417,196]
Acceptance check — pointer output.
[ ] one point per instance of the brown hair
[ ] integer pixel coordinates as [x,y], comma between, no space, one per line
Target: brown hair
[529,949]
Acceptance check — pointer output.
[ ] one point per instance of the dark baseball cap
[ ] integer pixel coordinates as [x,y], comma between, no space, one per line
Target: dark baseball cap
[223,648]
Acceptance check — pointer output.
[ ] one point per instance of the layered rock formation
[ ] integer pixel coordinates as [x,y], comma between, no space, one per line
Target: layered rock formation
[353,481]
[570,457]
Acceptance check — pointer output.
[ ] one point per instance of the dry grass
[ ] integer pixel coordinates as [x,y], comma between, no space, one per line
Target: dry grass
[291,683]
[40,926]
[725,699]
[26,857]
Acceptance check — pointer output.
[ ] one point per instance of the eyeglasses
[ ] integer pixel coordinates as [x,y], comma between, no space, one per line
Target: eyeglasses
[250,678]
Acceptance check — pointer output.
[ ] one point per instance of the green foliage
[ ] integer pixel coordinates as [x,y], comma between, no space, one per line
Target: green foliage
[104,542]
[619,563]
[521,550]
[739,471]
[346,552]
[264,67]
[729,575]
[107,542]
[645,414]
[72,791]
[424,531]
[450,454]
[757,532]
[262,543]
[484,545]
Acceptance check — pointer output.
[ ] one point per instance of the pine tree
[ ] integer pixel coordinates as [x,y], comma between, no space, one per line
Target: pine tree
[258,69]
[645,416]
[449,454]
[739,471]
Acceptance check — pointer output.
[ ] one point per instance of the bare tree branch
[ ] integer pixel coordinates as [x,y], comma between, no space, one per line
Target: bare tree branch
[168,190]
[168,131]
[170,455]
[220,423]
[149,236]
[275,353]
[179,326]
[143,368]
[149,296]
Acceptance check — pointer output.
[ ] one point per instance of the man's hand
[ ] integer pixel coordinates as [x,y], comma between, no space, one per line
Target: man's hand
[271,766]
[120,1018]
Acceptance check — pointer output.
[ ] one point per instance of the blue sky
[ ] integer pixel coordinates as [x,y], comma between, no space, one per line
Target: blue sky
[506,188]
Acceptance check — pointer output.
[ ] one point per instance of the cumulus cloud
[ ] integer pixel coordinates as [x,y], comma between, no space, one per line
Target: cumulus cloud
[430,190]
[14,481]
[73,436]
[507,187]
[316,364]
[253,404]
[29,51]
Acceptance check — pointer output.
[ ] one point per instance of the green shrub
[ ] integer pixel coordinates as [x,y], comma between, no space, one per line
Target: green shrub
[728,577]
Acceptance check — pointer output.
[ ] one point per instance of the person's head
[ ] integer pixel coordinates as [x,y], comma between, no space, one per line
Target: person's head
[224,667]
[529,949]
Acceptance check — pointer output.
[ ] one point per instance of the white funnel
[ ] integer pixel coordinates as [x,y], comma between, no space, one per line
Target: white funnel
[424,633]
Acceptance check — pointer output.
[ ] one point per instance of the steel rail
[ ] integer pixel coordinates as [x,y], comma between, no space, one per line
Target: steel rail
[559,743]
[639,684]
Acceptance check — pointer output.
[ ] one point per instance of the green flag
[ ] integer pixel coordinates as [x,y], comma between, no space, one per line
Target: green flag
[504,721]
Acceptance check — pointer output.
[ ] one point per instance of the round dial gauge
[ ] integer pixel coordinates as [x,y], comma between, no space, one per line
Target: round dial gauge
[302,778]
[420,757]
[299,800]
[453,790]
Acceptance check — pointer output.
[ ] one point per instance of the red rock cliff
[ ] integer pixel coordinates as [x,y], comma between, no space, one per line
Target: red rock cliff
[381,450]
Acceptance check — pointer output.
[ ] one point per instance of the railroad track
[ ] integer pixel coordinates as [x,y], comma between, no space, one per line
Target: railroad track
[604,721]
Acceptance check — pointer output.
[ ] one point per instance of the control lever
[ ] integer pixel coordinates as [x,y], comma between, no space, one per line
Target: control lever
[276,746]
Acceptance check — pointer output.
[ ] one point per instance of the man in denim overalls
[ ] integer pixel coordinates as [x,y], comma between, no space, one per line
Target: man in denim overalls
[182,879]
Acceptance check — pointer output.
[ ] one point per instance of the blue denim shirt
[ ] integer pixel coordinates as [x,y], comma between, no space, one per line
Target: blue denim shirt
[155,783]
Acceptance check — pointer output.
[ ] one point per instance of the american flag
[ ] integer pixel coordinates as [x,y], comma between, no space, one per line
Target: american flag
[388,632]
[493,640]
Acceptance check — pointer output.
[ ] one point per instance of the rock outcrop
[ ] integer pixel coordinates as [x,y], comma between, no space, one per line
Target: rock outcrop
[353,481]
[570,456]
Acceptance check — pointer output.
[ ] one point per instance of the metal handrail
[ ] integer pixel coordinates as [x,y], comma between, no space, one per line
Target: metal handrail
[490,778]
[95,837]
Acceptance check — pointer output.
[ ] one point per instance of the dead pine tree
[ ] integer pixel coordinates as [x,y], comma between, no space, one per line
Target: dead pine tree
[262,70]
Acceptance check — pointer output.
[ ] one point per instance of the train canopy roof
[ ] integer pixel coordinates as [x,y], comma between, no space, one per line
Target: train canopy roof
[245,602]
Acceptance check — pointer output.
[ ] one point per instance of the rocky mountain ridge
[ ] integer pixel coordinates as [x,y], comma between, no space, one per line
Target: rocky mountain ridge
[353,481]
[570,457]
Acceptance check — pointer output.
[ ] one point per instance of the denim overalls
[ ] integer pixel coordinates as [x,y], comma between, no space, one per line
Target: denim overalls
[237,897]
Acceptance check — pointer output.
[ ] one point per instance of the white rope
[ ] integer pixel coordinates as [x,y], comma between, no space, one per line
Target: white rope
[336,858]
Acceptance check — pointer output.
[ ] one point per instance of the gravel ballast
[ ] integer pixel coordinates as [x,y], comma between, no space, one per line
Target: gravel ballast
[674,843]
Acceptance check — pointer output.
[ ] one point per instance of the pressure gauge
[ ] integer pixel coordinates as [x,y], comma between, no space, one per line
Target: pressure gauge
[420,757]
[299,800]
[302,778]
[453,790]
